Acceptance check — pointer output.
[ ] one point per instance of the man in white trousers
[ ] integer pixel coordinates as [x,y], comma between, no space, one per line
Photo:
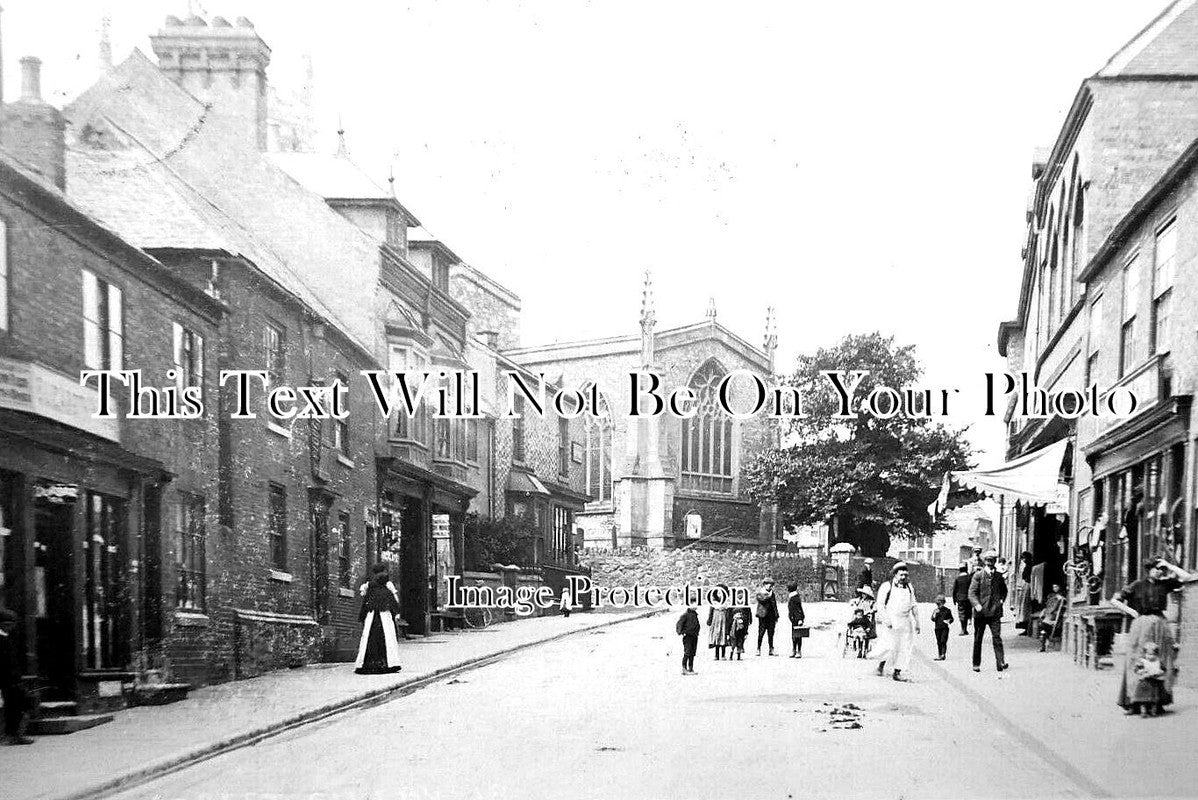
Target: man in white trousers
[900,620]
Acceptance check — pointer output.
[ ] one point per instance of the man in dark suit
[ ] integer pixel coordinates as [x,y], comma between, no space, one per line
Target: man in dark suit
[987,593]
[10,682]
[866,576]
[961,597]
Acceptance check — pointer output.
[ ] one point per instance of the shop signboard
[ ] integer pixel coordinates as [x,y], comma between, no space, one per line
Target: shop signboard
[34,389]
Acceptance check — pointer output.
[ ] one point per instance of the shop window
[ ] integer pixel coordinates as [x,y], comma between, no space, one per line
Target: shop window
[103,323]
[278,527]
[190,544]
[103,585]
[344,552]
[188,357]
[275,346]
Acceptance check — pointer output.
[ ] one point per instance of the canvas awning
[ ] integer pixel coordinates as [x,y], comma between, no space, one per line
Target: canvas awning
[1034,478]
[525,483]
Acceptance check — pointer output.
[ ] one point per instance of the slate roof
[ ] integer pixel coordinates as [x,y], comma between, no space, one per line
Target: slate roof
[245,201]
[1167,46]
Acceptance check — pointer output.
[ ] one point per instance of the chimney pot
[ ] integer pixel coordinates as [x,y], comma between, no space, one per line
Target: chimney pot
[31,79]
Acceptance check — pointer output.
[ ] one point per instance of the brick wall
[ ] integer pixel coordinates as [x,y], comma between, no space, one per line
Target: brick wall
[253,456]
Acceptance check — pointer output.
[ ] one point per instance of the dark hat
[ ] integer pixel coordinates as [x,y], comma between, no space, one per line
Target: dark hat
[7,615]
[768,580]
[379,568]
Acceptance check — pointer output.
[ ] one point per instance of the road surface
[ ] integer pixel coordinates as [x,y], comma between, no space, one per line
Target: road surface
[608,714]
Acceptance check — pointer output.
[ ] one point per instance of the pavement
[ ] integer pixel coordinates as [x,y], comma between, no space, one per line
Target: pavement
[152,740]
[606,713]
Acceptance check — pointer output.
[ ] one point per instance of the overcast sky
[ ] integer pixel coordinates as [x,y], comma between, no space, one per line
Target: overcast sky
[859,166]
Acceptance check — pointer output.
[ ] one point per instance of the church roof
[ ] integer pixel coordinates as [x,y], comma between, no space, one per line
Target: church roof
[226,192]
[665,339]
[1167,46]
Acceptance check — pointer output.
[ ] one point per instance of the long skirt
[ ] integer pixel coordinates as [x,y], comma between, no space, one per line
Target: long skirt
[719,633]
[378,651]
[1132,689]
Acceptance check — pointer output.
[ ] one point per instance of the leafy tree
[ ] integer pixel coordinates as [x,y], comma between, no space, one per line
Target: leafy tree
[497,541]
[872,477]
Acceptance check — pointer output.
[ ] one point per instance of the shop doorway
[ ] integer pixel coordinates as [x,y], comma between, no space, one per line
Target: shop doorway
[414,576]
[53,587]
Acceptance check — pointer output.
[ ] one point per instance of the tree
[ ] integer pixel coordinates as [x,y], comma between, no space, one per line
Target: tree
[497,541]
[872,477]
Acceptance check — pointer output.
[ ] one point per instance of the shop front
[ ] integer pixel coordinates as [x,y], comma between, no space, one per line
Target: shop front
[1138,499]
[72,512]
[419,535]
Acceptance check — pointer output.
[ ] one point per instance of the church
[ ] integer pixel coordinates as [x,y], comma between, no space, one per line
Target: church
[665,482]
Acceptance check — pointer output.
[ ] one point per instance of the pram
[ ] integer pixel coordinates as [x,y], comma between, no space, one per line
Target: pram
[856,641]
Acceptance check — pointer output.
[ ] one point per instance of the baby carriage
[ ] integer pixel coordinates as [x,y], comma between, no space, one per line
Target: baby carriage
[856,639]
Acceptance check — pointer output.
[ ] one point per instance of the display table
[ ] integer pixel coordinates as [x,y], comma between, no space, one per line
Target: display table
[1090,631]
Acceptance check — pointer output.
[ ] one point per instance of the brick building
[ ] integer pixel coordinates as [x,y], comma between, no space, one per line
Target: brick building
[104,523]
[295,504]
[1107,299]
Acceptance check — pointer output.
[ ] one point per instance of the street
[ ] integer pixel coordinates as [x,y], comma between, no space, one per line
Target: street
[606,713]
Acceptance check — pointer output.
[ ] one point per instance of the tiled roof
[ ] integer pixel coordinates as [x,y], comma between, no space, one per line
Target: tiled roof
[114,186]
[259,210]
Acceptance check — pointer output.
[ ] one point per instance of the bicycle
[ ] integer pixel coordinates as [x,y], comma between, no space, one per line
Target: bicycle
[478,618]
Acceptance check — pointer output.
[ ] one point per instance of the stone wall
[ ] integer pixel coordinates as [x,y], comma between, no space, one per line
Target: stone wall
[648,567]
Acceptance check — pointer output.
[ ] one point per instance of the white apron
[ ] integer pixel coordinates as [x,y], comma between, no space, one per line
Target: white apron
[389,638]
[897,641]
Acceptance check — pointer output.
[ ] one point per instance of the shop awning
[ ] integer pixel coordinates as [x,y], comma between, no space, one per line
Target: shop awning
[1033,479]
[525,483]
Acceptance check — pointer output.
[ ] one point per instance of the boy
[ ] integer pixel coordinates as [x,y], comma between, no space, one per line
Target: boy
[797,617]
[688,628]
[10,682]
[740,630]
[942,618]
[1054,604]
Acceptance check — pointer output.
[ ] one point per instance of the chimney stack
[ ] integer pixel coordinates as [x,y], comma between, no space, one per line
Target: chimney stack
[32,130]
[223,64]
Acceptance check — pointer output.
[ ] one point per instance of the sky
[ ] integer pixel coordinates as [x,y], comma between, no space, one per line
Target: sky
[858,166]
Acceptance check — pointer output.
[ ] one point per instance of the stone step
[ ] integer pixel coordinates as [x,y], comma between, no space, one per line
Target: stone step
[58,708]
[160,694]
[59,726]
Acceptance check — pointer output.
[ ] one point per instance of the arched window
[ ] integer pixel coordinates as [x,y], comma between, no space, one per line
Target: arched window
[598,428]
[707,436]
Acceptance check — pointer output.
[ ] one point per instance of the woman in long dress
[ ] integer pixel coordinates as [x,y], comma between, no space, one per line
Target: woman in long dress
[1145,600]
[378,651]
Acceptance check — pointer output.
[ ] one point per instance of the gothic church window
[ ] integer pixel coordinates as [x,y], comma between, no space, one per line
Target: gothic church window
[707,436]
